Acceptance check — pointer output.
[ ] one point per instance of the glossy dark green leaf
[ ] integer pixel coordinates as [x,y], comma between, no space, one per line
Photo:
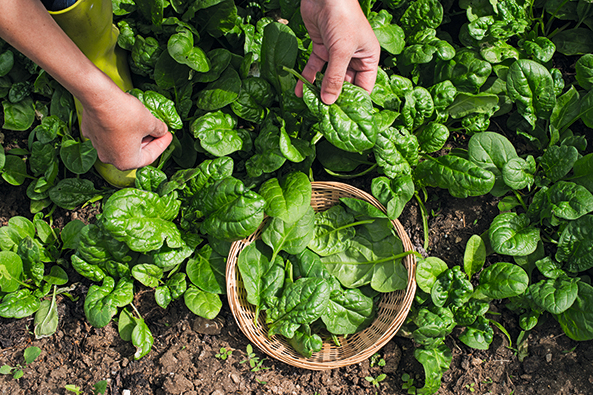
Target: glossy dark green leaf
[18,116]
[279,48]
[19,304]
[254,100]
[503,280]
[574,247]
[149,275]
[512,234]
[181,48]
[555,296]
[347,310]
[160,107]
[206,270]
[479,335]
[577,321]
[72,192]
[221,92]
[232,211]
[290,237]
[288,198]
[78,157]
[427,272]
[15,170]
[557,161]
[141,338]
[302,302]
[390,36]
[217,133]
[460,176]
[201,303]
[142,219]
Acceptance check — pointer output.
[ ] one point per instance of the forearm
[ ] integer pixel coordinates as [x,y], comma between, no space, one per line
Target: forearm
[28,27]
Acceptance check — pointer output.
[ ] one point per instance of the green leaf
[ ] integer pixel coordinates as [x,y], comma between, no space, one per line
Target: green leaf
[254,100]
[207,270]
[56,276]
[393,194]
[70,234]
[290,237]
[262,278]
[78,157]
[460,176]
[390,36]
[31,353]
[141,338]
[11,268]
[232,211]
[467,103]
[503,280]
[72,192]
[217,133]
[19,304]
[427,272]
[557,161]
[577,321]
[142,219]
[288,199]
[148,275]
[333,231]
[221,92]
[574,247]
[181,48]
[302,302]
[18,116]
[555,295]
[15,170]
[512,234]
[160,107]
[101,302]
[279,49]
[201,303]
[46,319]
[479,335]
[435,361]
[347,311]
[348,123]
[162,296]
[530,86]
[125,325]
[474,256]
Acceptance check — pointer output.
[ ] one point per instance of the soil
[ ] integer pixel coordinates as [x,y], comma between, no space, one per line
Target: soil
[183,359]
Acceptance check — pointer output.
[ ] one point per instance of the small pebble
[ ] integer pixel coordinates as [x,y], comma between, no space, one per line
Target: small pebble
[126,392]
[549,357]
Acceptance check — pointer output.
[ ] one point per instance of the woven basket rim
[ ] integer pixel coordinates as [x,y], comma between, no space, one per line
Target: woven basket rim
[275,346]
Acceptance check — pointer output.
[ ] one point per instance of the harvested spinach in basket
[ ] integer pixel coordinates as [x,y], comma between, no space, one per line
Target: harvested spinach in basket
[320,275]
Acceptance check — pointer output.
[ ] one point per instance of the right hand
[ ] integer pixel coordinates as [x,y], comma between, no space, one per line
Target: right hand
[123,131]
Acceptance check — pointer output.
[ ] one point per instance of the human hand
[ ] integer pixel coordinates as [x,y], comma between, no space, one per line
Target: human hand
[123,131]
[342,38]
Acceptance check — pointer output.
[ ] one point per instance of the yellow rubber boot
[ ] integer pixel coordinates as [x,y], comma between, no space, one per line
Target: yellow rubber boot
[89,23]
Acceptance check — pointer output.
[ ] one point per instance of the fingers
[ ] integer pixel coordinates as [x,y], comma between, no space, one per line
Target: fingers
[314,65]
[153,149]
[331,87]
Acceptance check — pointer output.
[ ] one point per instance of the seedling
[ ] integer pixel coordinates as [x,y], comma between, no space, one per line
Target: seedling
[100,387]
[376,360]
[224,354]
[73,388]
[408,384]
[254,361]
[375,380]
[470,387]
[262,382]
[30,354]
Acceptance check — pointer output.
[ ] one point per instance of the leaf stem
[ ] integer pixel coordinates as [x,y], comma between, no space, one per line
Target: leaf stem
[303,79]
[424,215]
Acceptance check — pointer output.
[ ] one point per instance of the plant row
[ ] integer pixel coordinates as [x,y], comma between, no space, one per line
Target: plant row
[221,75]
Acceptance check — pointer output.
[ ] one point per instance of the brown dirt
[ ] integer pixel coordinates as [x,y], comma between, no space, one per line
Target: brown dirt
[183,360]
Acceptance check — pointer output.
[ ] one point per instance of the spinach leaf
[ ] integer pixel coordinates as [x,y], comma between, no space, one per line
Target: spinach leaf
[221,92]
[202,303]
[555,295]
[393,194]
[574,247]
[530,86]
[427,272]
[302,302]
[348,123]
[262,278]
[289,198]
[290,237]
[577,321]
[503,280]
[460,176]
[206,270]
[511,234]
[217,133]
[232,211]
[333,231]
[306,343]
[19,304]
[478,335]
[142,219]
[347,311]
[492,151]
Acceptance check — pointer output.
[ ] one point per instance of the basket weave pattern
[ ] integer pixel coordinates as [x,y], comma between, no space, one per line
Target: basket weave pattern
[391,310]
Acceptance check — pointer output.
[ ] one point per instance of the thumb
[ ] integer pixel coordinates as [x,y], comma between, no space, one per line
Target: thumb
[160,129]
[151,151]
[331,86]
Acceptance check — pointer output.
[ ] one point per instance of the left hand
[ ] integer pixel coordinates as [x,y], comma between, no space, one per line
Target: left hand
[343,38]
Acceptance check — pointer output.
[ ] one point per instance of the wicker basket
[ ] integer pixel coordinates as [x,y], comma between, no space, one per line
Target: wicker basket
[391,312]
